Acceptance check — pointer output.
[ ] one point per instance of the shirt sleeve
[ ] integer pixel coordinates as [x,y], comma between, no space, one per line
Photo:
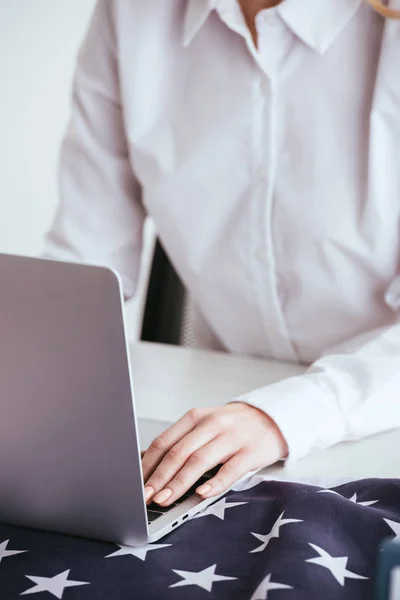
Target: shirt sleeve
[100,215]
[349,393]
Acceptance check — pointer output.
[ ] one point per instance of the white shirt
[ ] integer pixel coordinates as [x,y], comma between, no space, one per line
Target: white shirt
[273,177]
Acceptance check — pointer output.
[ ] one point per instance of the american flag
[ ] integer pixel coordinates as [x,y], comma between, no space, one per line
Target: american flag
[269,540]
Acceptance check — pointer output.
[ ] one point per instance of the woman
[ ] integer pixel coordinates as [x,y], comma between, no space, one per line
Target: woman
[263,138]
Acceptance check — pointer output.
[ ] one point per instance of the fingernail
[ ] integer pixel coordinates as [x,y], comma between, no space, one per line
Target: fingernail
[163,496]
[204,489]
[148,492]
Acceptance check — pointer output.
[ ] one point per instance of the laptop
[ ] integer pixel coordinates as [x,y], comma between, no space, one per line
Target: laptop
[70,457]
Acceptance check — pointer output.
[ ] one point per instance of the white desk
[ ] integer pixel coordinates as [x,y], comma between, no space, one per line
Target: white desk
[170,380]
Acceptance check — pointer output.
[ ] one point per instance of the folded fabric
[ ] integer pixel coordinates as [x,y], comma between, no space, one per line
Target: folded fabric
[269,540]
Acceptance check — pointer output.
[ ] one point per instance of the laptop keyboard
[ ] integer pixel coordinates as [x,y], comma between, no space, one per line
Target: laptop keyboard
[154,511]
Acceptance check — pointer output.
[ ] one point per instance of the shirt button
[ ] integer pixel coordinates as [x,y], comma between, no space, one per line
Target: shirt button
[262,172]
[271,20]
[260,255]
[265,87]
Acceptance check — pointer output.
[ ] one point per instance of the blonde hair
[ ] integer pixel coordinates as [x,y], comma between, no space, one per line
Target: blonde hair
[383,10]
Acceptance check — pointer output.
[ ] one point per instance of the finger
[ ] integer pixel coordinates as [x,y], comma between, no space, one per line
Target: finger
[208,456]
[228,474]
[177,456]
[164,442]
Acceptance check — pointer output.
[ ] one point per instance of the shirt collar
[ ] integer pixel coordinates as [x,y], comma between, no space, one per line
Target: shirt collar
[316,22]
[197,12]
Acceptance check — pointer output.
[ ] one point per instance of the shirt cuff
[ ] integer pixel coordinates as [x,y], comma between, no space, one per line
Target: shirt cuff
[306,413]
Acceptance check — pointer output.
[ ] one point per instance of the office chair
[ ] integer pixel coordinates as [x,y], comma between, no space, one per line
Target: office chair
[166,316]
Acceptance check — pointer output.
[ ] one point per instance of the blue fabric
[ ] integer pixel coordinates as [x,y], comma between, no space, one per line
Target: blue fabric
[253,542]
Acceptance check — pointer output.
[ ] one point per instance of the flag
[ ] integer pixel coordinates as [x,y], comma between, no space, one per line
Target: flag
[269,540]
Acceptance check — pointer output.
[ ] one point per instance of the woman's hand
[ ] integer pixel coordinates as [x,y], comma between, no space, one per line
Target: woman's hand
[238,435]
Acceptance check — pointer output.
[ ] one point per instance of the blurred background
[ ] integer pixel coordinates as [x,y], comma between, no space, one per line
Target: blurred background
[39,41]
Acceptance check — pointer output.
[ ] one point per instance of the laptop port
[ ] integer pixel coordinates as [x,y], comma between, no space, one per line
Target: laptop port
[185,517]
[175,524]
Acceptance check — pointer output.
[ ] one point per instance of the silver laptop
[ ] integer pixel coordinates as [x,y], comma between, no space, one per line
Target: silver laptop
[69,445]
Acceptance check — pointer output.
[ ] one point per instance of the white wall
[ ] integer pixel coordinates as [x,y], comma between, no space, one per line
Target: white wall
[39,40]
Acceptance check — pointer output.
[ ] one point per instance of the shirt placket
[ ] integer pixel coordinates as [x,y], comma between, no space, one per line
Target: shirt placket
[273,46]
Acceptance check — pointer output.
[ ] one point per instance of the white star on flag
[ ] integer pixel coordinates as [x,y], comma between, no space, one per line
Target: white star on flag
[274,533]
[139,551]
[364,503]
[395,527]
[335,564]
[54,585]
[4,552]
[203,579]
[352,499]
[218,509]
[261,593]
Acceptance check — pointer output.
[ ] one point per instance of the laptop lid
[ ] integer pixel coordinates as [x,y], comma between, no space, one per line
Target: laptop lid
[69,456]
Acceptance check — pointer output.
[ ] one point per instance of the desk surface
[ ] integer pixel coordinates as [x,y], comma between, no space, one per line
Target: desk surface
[170,380]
